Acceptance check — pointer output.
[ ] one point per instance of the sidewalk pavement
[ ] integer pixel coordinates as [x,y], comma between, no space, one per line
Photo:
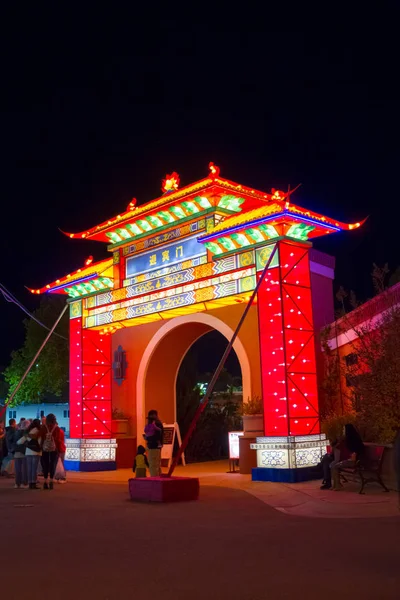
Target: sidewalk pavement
[298,499]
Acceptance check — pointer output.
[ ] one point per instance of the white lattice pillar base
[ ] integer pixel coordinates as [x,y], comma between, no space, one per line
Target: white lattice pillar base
[289,458]
[90,455]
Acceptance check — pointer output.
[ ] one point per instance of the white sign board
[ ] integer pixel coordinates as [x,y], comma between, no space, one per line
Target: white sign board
[233,437]
[170,431]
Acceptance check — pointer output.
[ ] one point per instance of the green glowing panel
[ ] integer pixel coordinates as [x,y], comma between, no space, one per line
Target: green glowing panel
[255,235]
[231,203]
[123,233]
[107,281]
[263,256]
[190,207]
[155,221]
[300,231]
[72,292]
[202,201]
[144,225]
[213,248]
[269,231]
[246,284]
[241,239]
[178,212]
[227,243]
[89,287]
[134,228]
[114,237]
[166,216]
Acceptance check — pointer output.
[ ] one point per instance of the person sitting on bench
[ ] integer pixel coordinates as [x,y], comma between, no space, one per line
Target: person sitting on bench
[356,448]
[339,452]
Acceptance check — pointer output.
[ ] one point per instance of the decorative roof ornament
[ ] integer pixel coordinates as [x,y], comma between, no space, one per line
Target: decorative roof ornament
[131,205]
[253,217]
[214,170]
[277,194]
[170,183]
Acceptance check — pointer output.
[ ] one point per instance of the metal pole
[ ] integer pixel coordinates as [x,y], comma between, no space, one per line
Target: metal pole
[210,387]
[24,376]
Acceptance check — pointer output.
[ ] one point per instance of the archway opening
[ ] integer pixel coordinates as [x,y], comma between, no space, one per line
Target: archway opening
[223,414]
[161,360]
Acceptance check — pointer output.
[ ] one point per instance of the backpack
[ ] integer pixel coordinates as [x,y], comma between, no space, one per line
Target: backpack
[49,444]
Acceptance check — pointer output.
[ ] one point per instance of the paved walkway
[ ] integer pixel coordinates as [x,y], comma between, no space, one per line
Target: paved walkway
[87,541]
[301,499]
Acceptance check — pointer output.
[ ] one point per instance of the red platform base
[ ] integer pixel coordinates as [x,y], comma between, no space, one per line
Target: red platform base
[164,489]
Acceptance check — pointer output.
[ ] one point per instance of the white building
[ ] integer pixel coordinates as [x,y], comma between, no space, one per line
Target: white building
[36,411]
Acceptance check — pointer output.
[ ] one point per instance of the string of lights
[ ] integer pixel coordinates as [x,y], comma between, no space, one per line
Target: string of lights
[9,297]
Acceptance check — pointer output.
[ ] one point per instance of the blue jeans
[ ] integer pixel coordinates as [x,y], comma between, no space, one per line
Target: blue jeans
[32,461]
[21,473]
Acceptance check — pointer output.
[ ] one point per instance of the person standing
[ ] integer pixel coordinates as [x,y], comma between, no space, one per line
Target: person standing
[8,461]
[154,434]
[33,451]
[50,434]
[140,464]
[21,472]
[40,470]
[60,474]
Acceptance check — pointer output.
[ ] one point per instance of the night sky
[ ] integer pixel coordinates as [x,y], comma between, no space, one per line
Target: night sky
[96,110]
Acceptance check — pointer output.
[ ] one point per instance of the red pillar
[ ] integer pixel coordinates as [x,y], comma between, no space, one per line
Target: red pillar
[90,382]
[288,362]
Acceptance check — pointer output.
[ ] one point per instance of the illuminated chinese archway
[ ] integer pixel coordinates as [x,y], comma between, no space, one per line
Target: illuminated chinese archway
[192,257]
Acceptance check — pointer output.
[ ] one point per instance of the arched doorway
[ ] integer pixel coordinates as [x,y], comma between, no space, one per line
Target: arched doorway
[209,441]
[162,358]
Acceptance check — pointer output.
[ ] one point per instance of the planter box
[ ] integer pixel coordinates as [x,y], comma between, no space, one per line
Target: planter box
[253,425]
[120,427]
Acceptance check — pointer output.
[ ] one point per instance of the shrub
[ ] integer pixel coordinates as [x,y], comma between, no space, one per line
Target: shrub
[118,414]
[253,406]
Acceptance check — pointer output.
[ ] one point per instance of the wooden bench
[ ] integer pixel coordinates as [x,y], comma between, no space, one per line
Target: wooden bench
[368,469]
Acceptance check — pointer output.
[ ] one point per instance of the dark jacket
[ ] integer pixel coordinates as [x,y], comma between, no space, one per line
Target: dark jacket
[11,439]
[156,441]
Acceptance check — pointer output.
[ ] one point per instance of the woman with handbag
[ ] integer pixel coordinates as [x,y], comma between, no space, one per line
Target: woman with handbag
[60,474]
[33,451]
